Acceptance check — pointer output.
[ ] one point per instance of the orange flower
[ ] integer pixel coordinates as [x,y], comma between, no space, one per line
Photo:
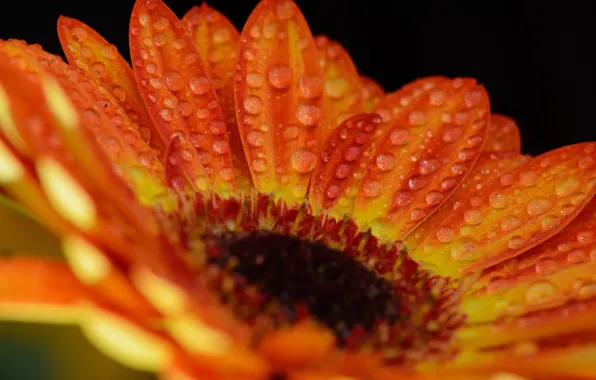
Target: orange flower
[247,206]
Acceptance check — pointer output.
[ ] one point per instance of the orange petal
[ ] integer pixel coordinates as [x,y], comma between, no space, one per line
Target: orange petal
[511,213]
[80,184]
[76,101]
[39,290]
[216,39]
[372,92]
[423,157]
[342,94]
[336,176]
[503,137]
[345,155]
[558,271]
[103,65]
[278,93]
[178,93]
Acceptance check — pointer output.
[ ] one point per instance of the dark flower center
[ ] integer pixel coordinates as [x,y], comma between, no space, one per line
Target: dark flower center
[302,278]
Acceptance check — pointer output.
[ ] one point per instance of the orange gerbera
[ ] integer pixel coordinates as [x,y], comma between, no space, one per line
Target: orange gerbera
[246,206]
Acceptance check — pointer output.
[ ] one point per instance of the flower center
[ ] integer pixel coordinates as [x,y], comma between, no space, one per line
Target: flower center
[297,278]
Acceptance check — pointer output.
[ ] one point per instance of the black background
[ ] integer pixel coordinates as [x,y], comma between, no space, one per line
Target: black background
[535,57]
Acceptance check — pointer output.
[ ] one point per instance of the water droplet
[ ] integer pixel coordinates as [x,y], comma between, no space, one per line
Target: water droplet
[342,171]
[166,114]
[417,183]
[586,162]
[309,115]
[99,70]
[528,179]
[463,249]
[144,19]
[540,291]
[286,9]
[386,161]
[352,153]
[417,118]
[259,165]
[291,132]
[254,80]
[332,191]
[498,201]
[311,87]
[255,138]
[227,174]
[252,104]
[473,216]
[221,146]
[539,206]
[472,98]
[577,256]
[550,221]
[445,234]
[399,137]
[515,242]
[434,198]
[303,161]
[119,93]
[509,223]
[403,198]
[173,79]
[372,188]
[280,76]
[335,88]
[567,187]
[199,85]
[452,133]
[221,35]
[437,98]
[161,24]
[429,166]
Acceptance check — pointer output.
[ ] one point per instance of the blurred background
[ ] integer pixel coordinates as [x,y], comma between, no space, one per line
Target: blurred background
[535,58]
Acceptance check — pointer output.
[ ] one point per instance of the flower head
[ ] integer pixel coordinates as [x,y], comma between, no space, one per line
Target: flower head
[246,205]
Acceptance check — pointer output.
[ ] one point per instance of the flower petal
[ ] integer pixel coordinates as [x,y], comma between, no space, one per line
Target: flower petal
[510,212]
[177,90]
[75,101]
[103,65]
[503,136]
[79,184]
[372,92]
[345,155]
[342,95]
[433,142]
[216,39]
[278,97]
[39,290]
[553,273]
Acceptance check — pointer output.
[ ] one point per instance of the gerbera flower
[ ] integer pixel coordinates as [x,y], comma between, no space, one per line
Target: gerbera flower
[246,206]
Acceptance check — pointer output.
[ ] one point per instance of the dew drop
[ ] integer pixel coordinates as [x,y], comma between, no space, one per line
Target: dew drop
[386,161]
[539,292]
[221,146]
[303,161]
[280,76]
[311,87]
[335,88]
[254,80]
[173,79]
[309,115]
[509,223]
[539,206]
[567,187]
[528,178]
[342,171]
[286,10]
[259,165]
[473,216]
[498,201]
[372,188]
[429,166]
[252,104]
[255,138]
[434,198]
[399,137]
[199,85]
[445,234]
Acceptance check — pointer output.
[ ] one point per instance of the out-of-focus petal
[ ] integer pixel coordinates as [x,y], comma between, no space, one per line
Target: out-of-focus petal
[39,290]
[216,39]
[509,212]
[435,137]
[503,137]
[342,89]
[75,101]
[279,99]
[179,95]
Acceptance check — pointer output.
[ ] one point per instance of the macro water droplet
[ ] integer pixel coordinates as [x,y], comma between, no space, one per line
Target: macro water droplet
[259,165]
[473,216]
[303,161]
[445,234]
[280,76]
[352,153]
[463,249]
[255,138]
[221,146]
[399,137]
[199,85]
[540,291]
[286,9]
[173,80]
[254,80]
[429,166]
[291,132]
[372,188]
[417,117]
[309,115]
[310,87]
[434,198]
[336,88]
[539,206]
[386,161]
[417,182]
[252,104]
[498,200]
[528,178]
[567,187]
[515,242]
